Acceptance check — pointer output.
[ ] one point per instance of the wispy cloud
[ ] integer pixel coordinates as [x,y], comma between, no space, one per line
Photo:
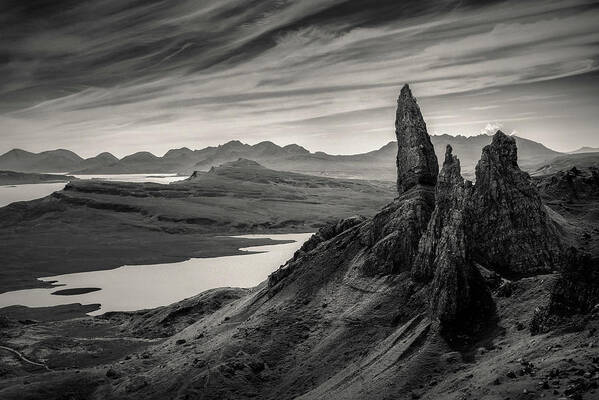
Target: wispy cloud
[481,108]
[199,73]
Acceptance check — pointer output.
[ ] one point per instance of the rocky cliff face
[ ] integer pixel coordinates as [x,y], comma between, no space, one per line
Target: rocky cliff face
[459,297]
[416,160]
[448,216]
[510,230]
[393,234]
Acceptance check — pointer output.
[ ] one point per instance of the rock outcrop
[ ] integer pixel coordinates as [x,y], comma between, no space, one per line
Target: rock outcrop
[577,289]
[459,297]
[448,216]
[574,293]
[510,230]
[416,160]
[393,234]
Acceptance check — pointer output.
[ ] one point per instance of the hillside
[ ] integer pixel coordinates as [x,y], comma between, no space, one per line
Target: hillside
[154,223]
[585,149]
[449,291]
[47,161]
[567,162]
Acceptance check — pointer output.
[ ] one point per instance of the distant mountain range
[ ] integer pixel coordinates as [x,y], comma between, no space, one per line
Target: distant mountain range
[566,162]
[585,149]
[47,161]
[376,164]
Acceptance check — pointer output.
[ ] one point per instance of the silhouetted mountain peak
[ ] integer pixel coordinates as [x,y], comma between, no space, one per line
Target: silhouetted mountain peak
[181,152]
[17,153]
[295,149]
[233,145]
[140,156]
[106,156]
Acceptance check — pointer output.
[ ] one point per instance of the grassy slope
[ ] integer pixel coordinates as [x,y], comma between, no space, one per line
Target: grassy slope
[95,225]
[566,162]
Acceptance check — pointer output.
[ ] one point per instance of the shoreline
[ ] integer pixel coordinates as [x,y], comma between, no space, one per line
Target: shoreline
[243,245]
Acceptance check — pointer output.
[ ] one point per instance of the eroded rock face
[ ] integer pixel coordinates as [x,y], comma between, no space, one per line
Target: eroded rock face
[459,298]
[394,232]
[448,216]
[416,160]
[577,289]
[510,230]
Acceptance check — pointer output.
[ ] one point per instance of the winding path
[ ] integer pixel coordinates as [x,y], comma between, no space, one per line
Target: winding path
[25,359]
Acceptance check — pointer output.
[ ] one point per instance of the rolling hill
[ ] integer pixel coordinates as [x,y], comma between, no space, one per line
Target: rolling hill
[150,222]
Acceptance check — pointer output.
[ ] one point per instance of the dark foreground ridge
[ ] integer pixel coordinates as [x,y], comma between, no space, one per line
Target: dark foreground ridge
[430,298]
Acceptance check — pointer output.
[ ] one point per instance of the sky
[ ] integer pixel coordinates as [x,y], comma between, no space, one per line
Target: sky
[150,75]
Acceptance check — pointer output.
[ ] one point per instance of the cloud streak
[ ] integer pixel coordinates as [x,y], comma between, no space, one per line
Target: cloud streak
[154,76]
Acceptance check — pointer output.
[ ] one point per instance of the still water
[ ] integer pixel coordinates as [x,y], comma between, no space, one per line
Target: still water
[12,193]
[137,287]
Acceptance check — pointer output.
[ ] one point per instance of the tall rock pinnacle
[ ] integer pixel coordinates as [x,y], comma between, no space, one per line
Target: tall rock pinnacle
[416,160]
[459,298]
[511,230]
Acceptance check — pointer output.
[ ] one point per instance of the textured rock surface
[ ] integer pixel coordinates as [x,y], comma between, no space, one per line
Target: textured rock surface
[445,229]
[416,160]
[322,236]
[459,297]
[574,293]
[577,289]
[511,231]
[393,234]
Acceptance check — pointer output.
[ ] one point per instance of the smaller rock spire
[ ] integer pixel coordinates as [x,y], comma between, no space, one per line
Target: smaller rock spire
[451,171]
[503,148]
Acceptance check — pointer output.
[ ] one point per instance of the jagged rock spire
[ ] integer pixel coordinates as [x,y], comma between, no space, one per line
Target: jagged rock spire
[498,157]
[451,171]
[459,298]
[511,231]
[416,159]
[450,198]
